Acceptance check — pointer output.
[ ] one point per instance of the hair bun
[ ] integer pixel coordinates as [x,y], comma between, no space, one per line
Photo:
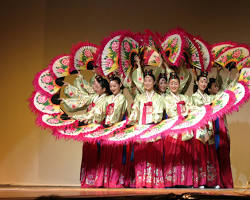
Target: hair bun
[148,72]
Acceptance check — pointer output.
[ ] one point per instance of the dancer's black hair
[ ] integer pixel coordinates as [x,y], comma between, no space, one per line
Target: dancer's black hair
[149,73]
[203,74]
[117,79]
[173,75]
[209,85]
[104,84]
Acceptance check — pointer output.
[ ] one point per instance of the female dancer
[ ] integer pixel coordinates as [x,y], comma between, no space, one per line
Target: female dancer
[148,109]
[222,139]
[111,169]
[206,166]
[178,162]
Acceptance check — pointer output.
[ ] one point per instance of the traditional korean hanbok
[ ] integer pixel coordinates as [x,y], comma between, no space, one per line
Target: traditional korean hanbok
[222,141]
[111,169]
[148,109]
[78,95]
[206,166]
[178,149]
[92,109]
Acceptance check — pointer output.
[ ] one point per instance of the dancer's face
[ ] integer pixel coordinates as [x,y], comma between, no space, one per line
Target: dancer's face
[149,83]
[214,89]
[114,87]
[202,84]
[174,85]
[98,88]
[162,85]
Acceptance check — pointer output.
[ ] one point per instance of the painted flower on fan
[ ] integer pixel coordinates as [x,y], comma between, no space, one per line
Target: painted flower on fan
[49,107]
[173,56]
[87,53]
[70,130]
[42,99]
[174,42]
[126,64]
[194,58]
[53,121]
[224,59]
[80,63]
[115,46]
[60,70]
[47,79]
[236,54]
[50,87]
[157,59]
[133,45]
[126,46]
[109,62]
[65,61]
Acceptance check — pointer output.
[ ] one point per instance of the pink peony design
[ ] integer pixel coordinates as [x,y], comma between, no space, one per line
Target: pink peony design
[174,42]
[65,61]
[194,58]
[70,130]
[115,46]
[60,70]
[87,53]
[50,87]
[224,59]
[109,62]
[53,121]
[236,54]
[133,44]
[126,64]
[127,46]
[71,93]
[157,59]
[80,63]
[49,107]
[47,79]
[173,56]
[73,106]
[42,99]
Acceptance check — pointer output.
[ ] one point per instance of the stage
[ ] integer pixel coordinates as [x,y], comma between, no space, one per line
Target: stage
[33,192]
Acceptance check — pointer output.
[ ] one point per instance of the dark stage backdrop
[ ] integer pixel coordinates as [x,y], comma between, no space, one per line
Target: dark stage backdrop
[33,32]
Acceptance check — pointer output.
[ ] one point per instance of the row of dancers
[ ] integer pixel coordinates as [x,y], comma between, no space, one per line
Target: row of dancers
[192,159]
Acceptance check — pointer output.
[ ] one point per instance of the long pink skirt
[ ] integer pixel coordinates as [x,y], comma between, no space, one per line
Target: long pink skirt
[178,162]
[206,165]
[224,156]
[148,165]
[90,159]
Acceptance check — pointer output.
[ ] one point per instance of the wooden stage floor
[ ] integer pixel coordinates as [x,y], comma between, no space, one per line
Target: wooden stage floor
[20,192]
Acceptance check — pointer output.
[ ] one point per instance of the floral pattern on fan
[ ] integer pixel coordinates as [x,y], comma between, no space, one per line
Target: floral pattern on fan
[173,45]
[128,46]
[234,54]
[55,121]
[159,129]
[128,134]
[192,121]
[244,63]
[217,49]
[82,54]
[47,83]
[245,76]
[60,66]
[109,58]
[44,104]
